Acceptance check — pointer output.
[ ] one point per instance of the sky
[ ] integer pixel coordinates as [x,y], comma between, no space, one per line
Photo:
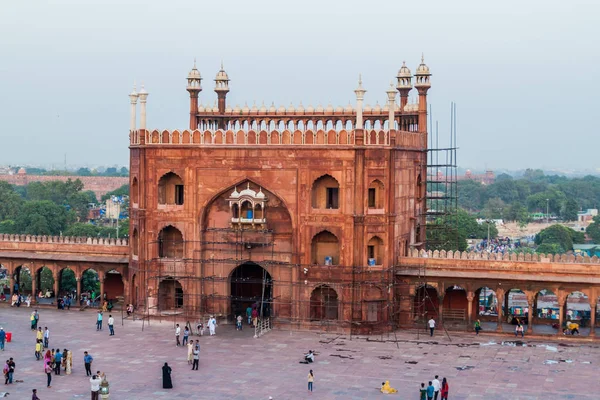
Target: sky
[524,74]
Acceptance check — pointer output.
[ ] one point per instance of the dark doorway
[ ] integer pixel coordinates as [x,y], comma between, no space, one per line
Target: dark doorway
[251,286]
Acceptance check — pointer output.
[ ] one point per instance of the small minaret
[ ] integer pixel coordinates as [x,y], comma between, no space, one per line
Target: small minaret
[391,106]
[422,84]
[404,85]
[194,88]
[133,97]
[360,96]
[143,96]
[222,88]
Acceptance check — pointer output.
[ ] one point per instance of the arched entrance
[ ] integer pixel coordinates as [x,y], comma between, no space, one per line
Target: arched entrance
[113,286]
[67,283]
[45,284]
[455,304]
[426,303]
[170,294]
[251,286]
[4,281]
[22,278]
[90,286]
[323,304]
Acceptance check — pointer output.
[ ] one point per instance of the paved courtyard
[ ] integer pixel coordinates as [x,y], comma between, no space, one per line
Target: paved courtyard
[233,365]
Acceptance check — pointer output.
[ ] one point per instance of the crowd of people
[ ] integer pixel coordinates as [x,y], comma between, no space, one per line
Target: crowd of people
[497,245]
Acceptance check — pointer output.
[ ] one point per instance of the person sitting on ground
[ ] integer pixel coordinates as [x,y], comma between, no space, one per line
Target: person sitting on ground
[309,357]
[386,388]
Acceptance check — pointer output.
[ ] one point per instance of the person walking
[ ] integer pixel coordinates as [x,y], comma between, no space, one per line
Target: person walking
[11,370]
[38,349]
[249,315]
[111,323]
[48,371]
[34,396]
[430,391]
[5,372]
[423,392]
[95,386]
[32,320]
[99,321]
[190,352]
[57,360]
[166,374]
[431,324]
[239,323]
[196,355]
[311,380]
[445,389]
[39,335]
[46,337]
[436,387]
[87,361]
[68,362]
[186,335]
[212,325]
[477,327]
[2,338]
[37,318]
[177,333]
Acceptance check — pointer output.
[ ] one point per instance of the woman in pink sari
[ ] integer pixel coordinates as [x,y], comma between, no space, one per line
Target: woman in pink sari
[47,358]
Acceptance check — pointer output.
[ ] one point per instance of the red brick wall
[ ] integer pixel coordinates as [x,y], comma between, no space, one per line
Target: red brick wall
[98,184]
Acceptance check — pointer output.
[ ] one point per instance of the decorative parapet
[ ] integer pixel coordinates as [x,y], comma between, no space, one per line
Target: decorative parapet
[458,255]
[330,137]
[4,237]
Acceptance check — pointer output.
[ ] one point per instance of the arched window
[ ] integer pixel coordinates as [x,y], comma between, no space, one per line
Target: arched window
[323,304]
[325,249]
[247,211]
[170,189]
[135,242]
[375,195]
[170,243]
[134,191]
[325,193]
[375,251]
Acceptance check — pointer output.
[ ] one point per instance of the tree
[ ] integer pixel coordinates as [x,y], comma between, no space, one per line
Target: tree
[83,230]
[494,208]
[550,248]
[451,232]
[67,280]
[570,209]
[122,191]
[593,229]
[10,201]
[558,235]
[42,218]
[90,282]
[84,172]
[471,195]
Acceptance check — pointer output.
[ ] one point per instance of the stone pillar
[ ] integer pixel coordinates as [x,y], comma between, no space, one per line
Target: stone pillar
[360,95]
[531,305]
[470,298]
[500,299]
[561,312]
[133,97]
[441,309]
[12,283]
[143,95]
[56,277]
[101,277]
[33,289]
[79,291]
[593,316]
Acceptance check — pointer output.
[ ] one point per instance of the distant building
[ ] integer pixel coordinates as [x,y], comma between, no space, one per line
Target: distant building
[587,215]
[485,179]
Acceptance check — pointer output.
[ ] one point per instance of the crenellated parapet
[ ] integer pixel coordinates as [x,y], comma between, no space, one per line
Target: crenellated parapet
[543,258]
[4,237]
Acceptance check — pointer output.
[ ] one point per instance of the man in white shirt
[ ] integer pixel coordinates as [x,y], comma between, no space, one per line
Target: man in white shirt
[111,322]
[436,387]
[95,385]
[431,324]
[177,333]
[46,337]
[212,324]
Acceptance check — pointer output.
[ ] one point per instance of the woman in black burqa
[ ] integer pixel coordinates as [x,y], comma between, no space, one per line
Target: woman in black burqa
[167,383]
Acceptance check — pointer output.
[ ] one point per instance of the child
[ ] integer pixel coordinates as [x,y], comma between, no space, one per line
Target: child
[423,392]
[239,323]
[38,349]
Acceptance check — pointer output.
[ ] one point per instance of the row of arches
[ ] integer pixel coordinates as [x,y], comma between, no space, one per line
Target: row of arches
[44,285]
[373,136]
[545,307]
[325,247]
[324,192]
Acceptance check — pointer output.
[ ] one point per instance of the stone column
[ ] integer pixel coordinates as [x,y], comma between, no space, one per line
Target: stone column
[561,312]
[593,316]
[531,305]
[79,291]
[500,299]
[101,277]
[470,298]
[33,289]
[56,277]
[440,309]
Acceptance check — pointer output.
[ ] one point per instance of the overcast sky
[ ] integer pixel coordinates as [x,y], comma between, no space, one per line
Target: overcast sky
[523,73]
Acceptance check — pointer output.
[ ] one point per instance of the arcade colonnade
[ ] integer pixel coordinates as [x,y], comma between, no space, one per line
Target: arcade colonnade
[112,277]
[461,300]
